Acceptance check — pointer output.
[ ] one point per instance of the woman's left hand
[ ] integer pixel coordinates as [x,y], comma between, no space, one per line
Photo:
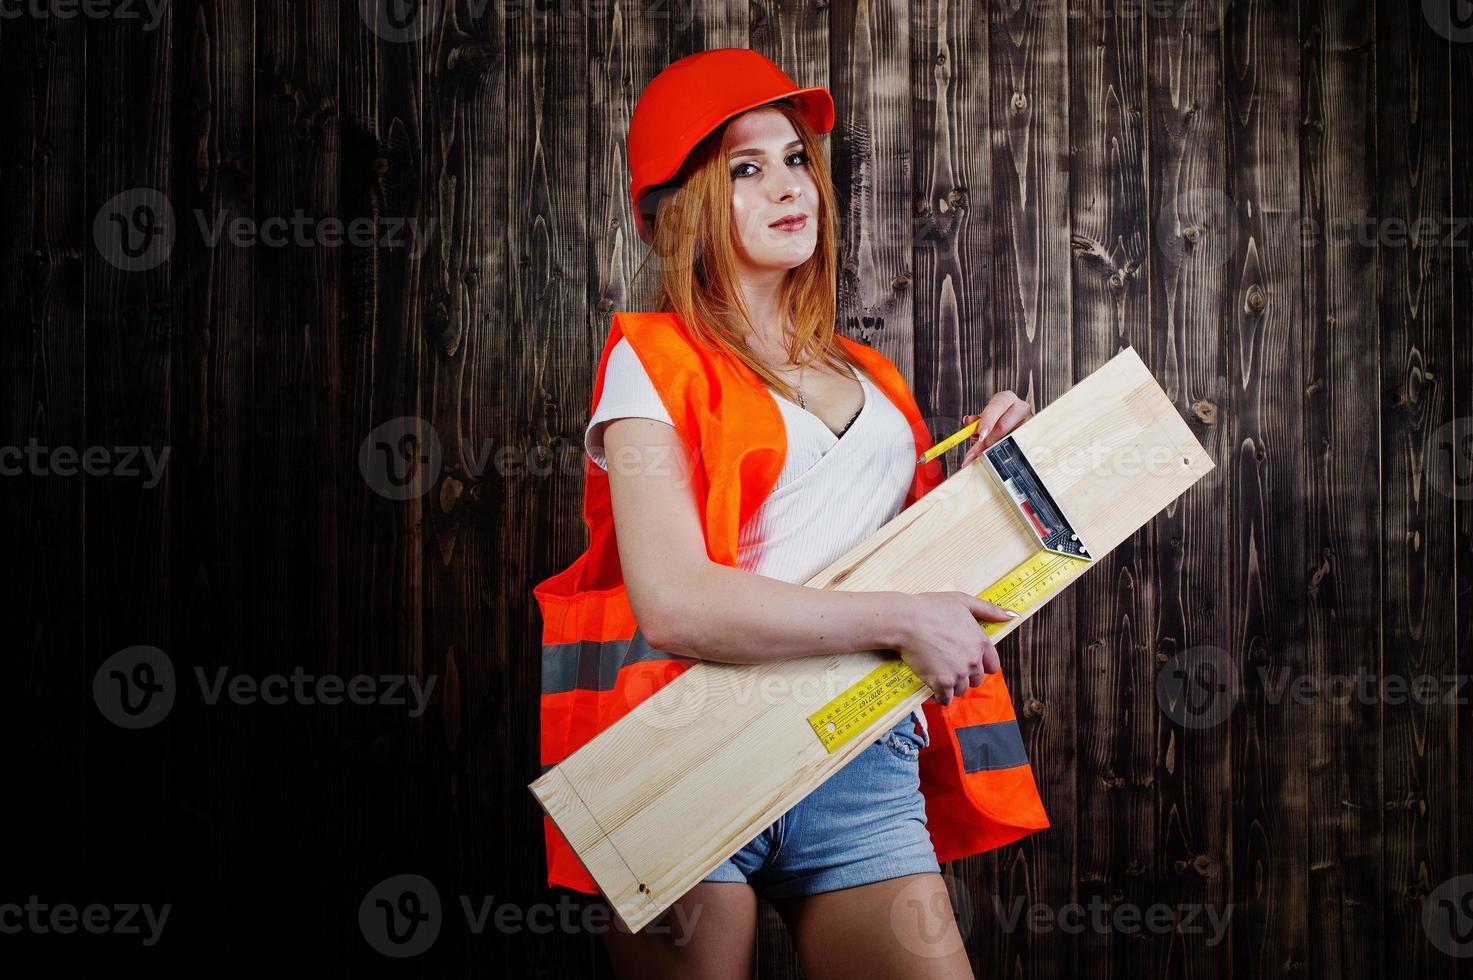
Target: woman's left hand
[1004,413]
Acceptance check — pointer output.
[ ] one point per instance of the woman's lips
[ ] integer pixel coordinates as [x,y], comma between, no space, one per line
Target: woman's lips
[793,225]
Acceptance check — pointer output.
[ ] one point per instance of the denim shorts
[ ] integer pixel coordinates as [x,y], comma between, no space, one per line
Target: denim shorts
[866,823]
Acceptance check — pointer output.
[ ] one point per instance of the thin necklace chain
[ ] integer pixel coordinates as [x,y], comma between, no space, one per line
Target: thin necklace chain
[802,401]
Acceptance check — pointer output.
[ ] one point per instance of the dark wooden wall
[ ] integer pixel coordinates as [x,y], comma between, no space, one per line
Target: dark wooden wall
[1027,186]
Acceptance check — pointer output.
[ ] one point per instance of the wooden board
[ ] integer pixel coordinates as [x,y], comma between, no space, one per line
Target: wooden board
[674,788]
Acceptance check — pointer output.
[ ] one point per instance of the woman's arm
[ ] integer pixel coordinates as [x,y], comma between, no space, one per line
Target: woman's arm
[687,604]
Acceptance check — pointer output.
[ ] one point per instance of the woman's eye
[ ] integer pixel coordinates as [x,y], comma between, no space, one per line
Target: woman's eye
[737,172]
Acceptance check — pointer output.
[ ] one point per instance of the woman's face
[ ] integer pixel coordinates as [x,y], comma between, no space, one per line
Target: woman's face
[770,180]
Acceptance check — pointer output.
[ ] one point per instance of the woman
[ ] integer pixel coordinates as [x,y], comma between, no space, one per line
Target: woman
[732,191]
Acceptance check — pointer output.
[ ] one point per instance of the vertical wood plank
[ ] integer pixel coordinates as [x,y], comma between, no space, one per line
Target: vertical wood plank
[477,713]
[214,164]
[626,50]
[952,190]
[295,459]
[1031,295]
[388,455]
[1343,550]
[1265,440]
[871,157]
[547,355]
[47,245]
[703,26]
[1110,235]
[128,385]
[1196,678]
[1417,519]
[1454,446]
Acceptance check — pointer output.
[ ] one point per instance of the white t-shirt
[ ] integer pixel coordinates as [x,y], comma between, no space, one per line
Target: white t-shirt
[832,493]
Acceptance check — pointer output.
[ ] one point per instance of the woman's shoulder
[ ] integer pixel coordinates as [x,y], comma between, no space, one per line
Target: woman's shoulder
[659,326]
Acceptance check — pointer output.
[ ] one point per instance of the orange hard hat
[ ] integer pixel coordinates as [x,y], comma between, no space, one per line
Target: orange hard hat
[683,104]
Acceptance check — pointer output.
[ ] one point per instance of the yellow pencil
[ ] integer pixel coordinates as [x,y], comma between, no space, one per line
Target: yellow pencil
[947,443]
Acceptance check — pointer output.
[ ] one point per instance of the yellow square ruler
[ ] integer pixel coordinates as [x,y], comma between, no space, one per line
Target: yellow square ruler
[1061,557]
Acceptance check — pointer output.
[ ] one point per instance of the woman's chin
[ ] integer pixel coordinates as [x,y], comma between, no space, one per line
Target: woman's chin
[789,258]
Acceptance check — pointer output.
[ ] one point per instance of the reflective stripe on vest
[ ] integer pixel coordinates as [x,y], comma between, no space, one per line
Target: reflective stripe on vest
[591,665]
[998,745]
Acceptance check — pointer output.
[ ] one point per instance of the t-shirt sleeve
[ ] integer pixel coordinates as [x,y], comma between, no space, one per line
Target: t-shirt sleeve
[628,393]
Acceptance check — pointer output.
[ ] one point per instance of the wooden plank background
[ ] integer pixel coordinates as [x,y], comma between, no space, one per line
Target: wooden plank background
[1026,186]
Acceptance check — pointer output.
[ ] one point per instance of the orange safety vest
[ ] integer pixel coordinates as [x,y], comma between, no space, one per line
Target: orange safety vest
[597,666]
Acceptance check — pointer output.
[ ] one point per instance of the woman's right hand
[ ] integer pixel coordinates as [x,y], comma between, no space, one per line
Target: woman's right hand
[945,646]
